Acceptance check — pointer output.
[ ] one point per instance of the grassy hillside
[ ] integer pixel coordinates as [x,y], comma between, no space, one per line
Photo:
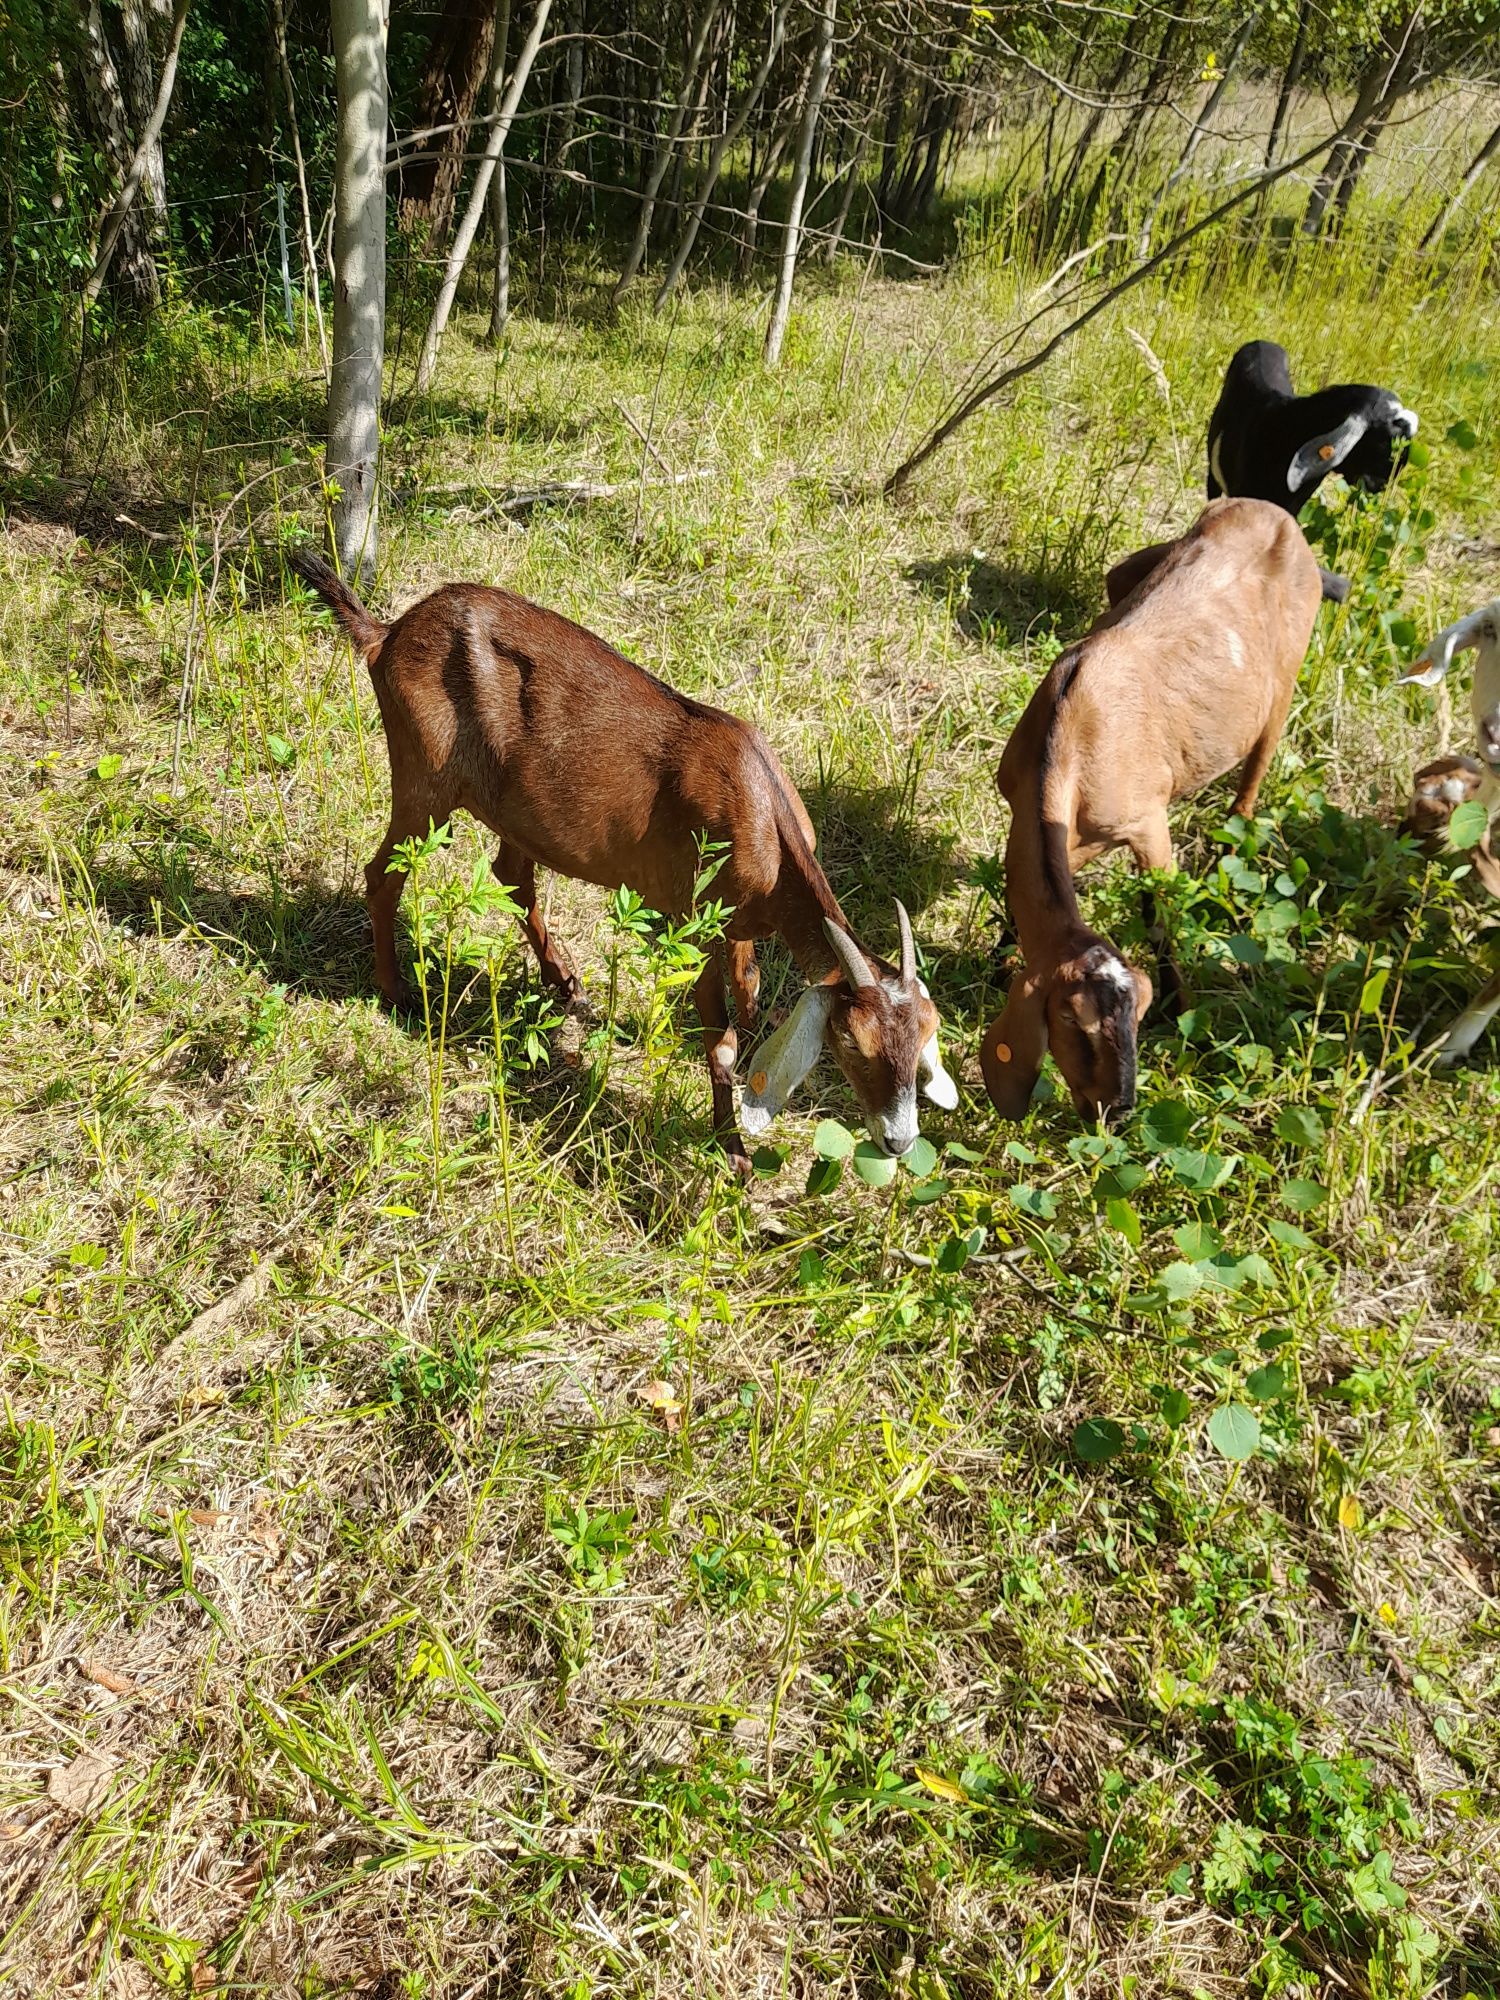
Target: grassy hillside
[383,1632]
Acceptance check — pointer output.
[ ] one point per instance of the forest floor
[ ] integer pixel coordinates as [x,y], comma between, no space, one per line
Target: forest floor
[387,1630]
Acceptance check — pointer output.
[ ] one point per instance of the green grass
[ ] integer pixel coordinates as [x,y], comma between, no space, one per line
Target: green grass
[937,1650]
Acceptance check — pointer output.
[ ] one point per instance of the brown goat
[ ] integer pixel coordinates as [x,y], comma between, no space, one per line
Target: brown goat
[585,764]
[1189,672]
[1436,791]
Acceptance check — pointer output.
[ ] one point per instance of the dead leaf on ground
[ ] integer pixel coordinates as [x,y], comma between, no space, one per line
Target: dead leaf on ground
[81,1785]
[206,1517]
[106,1677]
[265,1531]
[663,1398]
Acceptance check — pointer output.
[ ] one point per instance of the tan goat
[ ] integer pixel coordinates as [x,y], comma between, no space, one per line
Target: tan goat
[1190,672]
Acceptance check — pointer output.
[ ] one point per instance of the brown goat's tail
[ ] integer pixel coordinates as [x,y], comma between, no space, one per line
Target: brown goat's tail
[366,632]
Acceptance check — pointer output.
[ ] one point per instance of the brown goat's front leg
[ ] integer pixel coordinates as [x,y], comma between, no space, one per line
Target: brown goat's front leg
[514,871]
[744,980]
[1152,849]
[720,1045]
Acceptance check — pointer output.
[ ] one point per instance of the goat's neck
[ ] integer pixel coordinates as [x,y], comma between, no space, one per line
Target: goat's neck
[803,901]
[1039,869]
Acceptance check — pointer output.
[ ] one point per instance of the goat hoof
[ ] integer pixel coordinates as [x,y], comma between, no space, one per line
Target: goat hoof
[405,1003]
[739,1160]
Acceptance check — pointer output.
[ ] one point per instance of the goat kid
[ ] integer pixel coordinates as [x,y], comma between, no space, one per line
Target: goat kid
[1190,672]
[583,763]
[1437,791]
[1481,632]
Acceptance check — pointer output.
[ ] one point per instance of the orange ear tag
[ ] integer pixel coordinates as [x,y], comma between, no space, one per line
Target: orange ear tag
[1325,452]
[1002,1051]
[758,1082]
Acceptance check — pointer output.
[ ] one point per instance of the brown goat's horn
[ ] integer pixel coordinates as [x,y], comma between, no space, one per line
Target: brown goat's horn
[850,957]
[908,948]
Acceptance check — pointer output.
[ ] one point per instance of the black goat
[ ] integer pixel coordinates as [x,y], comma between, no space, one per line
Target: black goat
[1265,442]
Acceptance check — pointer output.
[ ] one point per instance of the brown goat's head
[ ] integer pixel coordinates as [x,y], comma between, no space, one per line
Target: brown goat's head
[1086,1010]
[1438,789]
[881,1028]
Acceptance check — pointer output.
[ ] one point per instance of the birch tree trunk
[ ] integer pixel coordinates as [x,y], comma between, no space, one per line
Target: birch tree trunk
[148,146]
[458,256]
[846,201]
[359,281]
[499,200]
[817,87]
[759,187]
[662,159]
[715,162]
[104,99]
[1481,160]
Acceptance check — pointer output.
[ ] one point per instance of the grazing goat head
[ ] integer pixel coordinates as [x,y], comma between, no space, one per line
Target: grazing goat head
[1481,631]
[881,1028]
[1265,442]
[1437,791]
[1087,1011]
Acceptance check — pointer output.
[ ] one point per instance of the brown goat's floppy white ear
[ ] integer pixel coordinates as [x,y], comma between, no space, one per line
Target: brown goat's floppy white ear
[1014,1043]
[781,1062]
[936,1083]
[1326,453]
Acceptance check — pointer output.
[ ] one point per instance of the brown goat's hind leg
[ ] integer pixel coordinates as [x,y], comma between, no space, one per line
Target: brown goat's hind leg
[513,871]
[744,979]
[720,1045]
[1259,761]
[383,889]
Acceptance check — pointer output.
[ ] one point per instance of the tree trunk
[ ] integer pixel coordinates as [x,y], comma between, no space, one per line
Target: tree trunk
[715,161]
[662,158]
[782,305]
[1289,82]
[846,200]
[890,141]
[500,124]
[148,146]
[777,145]
[104,101]
[499,199]
[353,458]
[1439,228]
[458,60]
[1387,77]
[573,53]
[140,96]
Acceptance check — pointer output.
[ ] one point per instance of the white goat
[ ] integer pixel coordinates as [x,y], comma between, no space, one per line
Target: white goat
[1480,630]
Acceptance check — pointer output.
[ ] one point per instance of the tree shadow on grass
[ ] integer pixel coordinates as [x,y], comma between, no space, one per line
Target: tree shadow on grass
[1001,603]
